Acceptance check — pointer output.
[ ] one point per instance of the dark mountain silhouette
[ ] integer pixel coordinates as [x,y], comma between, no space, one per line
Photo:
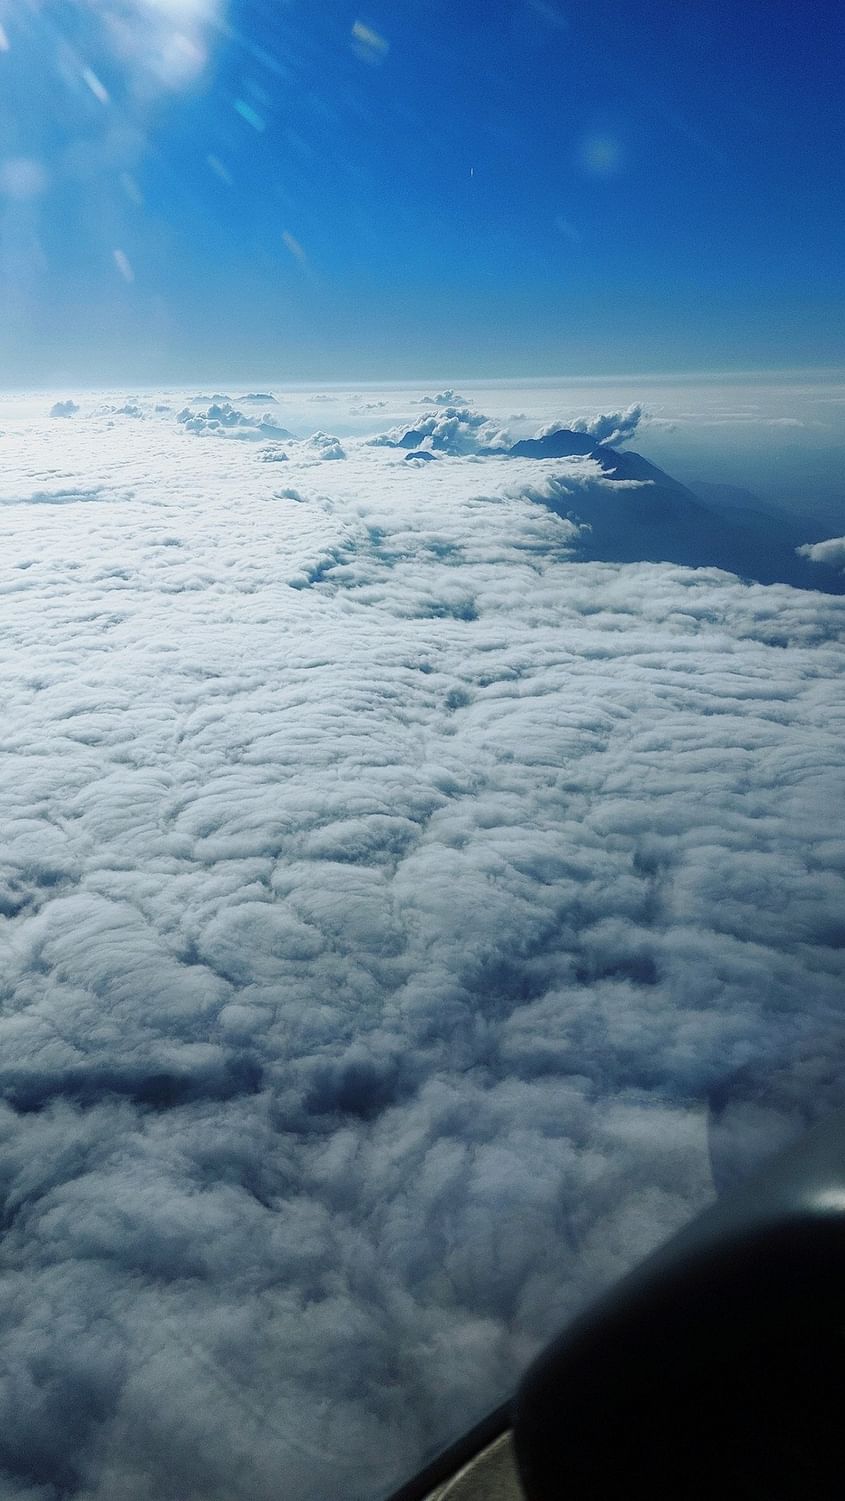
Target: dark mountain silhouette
[665,521]
[416,435]
[562,444]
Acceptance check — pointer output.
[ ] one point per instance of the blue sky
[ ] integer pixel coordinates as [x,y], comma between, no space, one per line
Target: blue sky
[316,191]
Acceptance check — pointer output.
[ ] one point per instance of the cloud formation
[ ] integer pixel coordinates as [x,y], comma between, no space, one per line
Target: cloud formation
[830,552]
[383,893]
[610,427]
[447,398]
[452,430]
[121,409]
[222,420]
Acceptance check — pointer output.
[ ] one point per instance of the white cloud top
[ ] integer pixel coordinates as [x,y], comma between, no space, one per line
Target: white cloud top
[605,427]
[831,552]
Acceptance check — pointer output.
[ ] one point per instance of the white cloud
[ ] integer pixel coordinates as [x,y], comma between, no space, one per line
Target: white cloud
[222,420]
[608,427]
[452,430]
[831,552]
[128,408]
[382,891]
[447,398]
[326,446]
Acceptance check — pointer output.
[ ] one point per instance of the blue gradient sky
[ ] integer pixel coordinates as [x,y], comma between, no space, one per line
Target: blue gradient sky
[317,191]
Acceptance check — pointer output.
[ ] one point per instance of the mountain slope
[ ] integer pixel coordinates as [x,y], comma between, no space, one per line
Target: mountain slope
[664,521]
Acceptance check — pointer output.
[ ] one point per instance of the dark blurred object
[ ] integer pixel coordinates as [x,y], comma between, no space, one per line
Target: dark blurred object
[716,1370]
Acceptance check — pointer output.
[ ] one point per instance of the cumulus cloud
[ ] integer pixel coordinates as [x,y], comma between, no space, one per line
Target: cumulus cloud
[64,408]
[447,398]
[383,895]
[452,430]
[222,420]
[831,552]
[606,427]
[125,409]
[326,446]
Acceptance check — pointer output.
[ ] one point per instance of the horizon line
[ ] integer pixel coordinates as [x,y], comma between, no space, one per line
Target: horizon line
[804,372]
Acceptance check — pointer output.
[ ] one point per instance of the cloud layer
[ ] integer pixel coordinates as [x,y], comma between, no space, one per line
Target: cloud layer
[383,893]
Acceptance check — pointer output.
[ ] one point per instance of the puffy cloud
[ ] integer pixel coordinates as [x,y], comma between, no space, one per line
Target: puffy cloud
[326,446]
[453,430]
[447,398]
[831,552]
[606,427]
[124,409]
[383,894]
[64,408]
[223,420]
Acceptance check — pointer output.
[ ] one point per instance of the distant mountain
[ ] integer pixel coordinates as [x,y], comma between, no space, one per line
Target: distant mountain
[734,496]
[738,504]
[717,526]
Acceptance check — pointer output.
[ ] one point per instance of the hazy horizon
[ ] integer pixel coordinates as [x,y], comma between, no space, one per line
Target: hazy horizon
[779,434]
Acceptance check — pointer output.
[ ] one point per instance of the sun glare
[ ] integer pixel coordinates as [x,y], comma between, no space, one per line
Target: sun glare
[152,45]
